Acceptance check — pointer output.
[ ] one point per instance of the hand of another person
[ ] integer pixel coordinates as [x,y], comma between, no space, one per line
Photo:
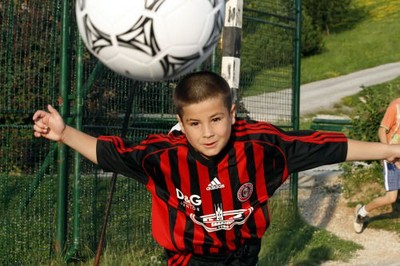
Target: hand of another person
[49,124]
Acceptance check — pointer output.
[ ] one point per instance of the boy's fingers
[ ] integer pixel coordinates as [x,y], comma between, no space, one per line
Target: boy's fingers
[38,115]
[37,134]
[51,109]
[39,128]
[38,121]
[37,131]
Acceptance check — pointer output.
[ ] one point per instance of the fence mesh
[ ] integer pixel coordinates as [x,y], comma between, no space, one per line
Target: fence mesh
[30,79]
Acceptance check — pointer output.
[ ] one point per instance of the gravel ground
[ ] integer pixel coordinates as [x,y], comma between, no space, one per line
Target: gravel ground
[322,205]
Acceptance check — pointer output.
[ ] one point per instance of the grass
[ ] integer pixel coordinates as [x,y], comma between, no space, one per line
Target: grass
[128,255]
[373,41]
[289,241]
[269,80]
[26,235]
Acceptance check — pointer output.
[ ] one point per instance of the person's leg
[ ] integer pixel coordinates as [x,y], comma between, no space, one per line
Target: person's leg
[391,179]
[396,205]
[391,175]
[389,198]
[362,211]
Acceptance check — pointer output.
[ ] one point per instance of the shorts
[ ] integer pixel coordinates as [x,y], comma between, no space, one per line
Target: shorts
[391,175]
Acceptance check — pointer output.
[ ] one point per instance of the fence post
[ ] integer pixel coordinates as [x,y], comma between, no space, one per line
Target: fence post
[62,182]
[296,90]
[78,113]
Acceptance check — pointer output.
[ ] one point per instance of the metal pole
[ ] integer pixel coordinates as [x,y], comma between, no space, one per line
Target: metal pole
[62,184]
[77,157]
[296,90]
[49,160]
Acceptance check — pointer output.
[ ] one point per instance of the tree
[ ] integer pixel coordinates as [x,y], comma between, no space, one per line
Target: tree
[331,15]
[312,41]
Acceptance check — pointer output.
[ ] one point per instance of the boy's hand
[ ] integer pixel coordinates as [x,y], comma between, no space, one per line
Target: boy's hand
[49,124]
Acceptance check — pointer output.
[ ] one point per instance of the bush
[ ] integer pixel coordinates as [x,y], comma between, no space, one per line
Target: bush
[362,183]
[369,108]
[333,15]
[311,37]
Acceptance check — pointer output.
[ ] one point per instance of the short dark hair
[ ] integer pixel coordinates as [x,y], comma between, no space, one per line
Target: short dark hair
[199,86]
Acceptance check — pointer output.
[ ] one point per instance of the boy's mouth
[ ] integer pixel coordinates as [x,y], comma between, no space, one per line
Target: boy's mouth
[210,145]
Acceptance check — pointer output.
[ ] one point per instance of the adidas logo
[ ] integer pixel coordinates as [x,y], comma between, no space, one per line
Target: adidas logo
[215,184]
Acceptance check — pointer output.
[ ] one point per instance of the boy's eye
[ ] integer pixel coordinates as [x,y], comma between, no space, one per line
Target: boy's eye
[194,124]
[216,119]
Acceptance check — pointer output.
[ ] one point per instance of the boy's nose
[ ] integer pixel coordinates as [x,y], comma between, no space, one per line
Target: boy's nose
[208,132]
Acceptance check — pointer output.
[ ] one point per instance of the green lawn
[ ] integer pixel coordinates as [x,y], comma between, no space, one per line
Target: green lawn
[289,241]
[373,41]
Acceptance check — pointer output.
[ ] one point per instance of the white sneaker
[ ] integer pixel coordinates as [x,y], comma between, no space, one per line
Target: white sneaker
[359,220]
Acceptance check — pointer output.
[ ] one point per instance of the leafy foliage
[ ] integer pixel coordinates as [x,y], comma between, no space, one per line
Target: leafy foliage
[361,183]
[28,59]
[369,109]
[312,41]
[266,37]
[332,15]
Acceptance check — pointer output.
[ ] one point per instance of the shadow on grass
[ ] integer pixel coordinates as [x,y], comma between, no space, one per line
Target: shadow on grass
[386,221]
[291,241]
[316,256]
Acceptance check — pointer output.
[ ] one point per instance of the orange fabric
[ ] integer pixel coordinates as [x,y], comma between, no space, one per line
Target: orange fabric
[391,122]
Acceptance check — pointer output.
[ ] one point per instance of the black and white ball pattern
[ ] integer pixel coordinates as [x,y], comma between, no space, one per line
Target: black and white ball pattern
[150,40]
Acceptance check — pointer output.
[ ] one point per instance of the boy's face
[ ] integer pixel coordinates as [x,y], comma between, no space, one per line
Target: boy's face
[208,125]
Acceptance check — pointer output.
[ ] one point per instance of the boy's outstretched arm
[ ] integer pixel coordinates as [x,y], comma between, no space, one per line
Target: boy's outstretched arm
[50,125]
[362,150]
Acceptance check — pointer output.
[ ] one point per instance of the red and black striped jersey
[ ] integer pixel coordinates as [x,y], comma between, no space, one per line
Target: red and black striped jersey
[214,205]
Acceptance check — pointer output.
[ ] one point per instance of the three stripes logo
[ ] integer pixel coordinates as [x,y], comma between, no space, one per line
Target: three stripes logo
[215,184]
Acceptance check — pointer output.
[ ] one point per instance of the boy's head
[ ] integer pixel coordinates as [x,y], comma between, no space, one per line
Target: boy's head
[205,111]
[200,86]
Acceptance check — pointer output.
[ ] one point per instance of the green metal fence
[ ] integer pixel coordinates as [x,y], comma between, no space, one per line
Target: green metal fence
[51,200]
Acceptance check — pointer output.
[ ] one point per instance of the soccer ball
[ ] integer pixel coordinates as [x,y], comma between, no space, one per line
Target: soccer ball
[150,40]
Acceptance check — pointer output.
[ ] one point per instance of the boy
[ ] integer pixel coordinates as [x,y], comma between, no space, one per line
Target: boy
[388,132]
[211,182]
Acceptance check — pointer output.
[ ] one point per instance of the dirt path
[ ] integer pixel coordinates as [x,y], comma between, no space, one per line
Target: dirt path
[322,205]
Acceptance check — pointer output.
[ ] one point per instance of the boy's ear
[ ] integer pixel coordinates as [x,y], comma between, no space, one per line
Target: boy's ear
[233,113]
[180,123]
